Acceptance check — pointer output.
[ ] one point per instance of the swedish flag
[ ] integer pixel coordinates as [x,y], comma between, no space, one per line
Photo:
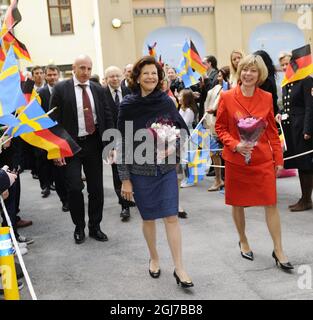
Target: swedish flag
[189,77]
[30,119]
[197,163]
[11,95]
[214,146]
[201,136]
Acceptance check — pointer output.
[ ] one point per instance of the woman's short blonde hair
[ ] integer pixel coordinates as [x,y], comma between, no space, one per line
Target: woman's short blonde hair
[255,61]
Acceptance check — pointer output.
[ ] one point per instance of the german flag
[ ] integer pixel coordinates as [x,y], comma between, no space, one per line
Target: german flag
[11,18]
[56,141]
[2,55]
[300,65]
[195,60]
[19,48]
[28,89]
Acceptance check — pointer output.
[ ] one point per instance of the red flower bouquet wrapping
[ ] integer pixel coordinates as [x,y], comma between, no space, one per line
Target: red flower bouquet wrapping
[250,130]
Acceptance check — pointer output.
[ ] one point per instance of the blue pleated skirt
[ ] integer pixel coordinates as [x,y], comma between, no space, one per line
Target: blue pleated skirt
[156,197]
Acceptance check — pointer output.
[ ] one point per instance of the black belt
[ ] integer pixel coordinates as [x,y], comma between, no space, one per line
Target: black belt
[87,136]
[83,138]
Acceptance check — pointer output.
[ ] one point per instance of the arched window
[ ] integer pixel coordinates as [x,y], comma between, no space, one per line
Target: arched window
[276,37]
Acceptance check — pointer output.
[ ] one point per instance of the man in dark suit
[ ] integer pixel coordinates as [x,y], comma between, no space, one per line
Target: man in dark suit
[127,72]
[206,83]
[114,94]
[83,113]
[47,172]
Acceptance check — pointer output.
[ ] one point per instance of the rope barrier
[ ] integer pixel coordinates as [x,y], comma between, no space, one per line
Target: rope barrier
[285,159]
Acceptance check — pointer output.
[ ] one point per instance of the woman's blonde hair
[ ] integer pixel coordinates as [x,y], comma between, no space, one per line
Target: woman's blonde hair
[232,67]
[283,55]
[255,61]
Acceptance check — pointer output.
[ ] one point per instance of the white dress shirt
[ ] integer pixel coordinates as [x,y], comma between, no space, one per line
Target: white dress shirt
[80,108]
[38,88]
[119,92]
[50,89]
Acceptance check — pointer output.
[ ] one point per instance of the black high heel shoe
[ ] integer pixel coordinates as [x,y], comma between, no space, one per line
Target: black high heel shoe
[283,266]
[248,255]
[184,284]
[154,275]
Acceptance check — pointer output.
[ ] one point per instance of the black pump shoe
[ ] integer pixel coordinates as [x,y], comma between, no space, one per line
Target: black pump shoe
[283,266]
[184,284]
[248,255]
[154,275]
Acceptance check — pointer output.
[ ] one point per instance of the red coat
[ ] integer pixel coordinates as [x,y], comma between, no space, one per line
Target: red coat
[234,105]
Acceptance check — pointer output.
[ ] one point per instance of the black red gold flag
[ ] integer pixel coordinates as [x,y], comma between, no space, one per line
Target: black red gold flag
[19,48]
[56,141]
[195,60]
[11,18]
[300,65]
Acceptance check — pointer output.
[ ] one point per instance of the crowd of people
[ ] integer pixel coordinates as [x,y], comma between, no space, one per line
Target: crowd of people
[86,106]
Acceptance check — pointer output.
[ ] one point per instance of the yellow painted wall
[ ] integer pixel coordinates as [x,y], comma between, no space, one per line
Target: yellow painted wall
[225,29]
[143,26]
[228,26]
[118,44]
[205,25]
[251,20]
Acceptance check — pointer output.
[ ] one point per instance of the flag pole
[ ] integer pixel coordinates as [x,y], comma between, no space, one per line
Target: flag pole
[282,132]
[205,114]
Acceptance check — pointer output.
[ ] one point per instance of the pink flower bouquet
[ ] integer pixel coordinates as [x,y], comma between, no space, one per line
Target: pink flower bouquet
[250,130]
[166,136]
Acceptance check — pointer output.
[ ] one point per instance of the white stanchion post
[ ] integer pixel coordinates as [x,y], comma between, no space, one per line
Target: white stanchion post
[21,261]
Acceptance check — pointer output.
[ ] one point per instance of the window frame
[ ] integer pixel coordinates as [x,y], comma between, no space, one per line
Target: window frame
[59,7]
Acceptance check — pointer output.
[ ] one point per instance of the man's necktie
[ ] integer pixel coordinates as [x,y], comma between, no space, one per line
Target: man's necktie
[117,98]
[89,122]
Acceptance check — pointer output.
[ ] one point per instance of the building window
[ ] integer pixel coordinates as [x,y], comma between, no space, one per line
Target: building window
[4,4]
[60,16]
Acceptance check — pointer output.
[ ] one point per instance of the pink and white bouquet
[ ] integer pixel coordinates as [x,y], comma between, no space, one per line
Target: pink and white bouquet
[166,136]
[250,130]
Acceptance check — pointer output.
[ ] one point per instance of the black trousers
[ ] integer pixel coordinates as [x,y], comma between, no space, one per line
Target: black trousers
[90,158]
[45,169]
[118,187]
[60,183]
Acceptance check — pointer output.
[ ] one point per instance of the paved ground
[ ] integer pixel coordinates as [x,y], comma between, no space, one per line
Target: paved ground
[118,269]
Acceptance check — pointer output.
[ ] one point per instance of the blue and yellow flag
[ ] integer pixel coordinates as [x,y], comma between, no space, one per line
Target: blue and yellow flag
[30,119]
[11,95]
[9,120]
[190,78]
[201,137]
[215,148]
[197,163]
[185,71]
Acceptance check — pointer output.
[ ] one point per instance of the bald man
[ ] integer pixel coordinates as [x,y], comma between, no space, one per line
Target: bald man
[114,94]
[84,114]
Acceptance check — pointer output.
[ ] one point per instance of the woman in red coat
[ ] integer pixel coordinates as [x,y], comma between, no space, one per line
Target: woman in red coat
[252,184]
